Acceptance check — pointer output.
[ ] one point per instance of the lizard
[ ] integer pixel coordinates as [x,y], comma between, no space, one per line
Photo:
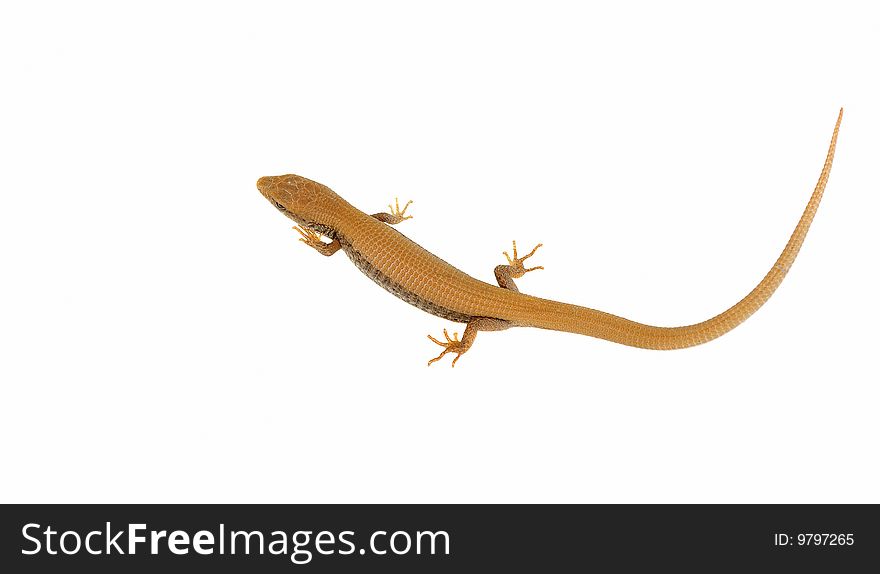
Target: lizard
[426,281]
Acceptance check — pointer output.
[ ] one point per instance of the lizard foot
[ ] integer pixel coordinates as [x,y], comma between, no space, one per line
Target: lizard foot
[397,214]
[452,345]
[309,237]
[517,269]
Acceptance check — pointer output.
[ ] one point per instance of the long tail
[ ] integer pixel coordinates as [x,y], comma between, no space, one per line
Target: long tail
[575,319]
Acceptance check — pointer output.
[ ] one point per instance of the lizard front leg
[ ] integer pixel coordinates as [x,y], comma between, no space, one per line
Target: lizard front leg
[313,240]
[453,345]
[505,274]
[396,216]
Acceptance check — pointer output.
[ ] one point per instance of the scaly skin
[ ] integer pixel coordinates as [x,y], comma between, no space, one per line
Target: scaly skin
[422,279]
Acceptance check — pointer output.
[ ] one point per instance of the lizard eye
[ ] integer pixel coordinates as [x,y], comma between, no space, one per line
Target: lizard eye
[279,206]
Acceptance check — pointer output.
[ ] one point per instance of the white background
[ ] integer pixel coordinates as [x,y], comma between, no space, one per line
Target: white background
[164,337]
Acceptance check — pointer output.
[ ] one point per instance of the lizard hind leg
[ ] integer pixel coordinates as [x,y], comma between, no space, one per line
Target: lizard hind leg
[505,274]
[460,347]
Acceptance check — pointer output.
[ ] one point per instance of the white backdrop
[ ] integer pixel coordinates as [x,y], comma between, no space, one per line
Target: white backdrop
[164,337]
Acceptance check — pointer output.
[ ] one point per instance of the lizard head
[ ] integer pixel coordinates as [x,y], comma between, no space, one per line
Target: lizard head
[305,201]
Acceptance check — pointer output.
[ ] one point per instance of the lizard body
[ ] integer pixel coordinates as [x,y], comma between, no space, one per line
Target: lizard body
[422,279]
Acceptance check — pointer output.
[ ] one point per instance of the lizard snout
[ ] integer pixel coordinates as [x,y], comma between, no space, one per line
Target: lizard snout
[264,183]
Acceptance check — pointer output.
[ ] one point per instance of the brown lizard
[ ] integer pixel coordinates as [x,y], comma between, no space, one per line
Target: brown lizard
[422,279]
